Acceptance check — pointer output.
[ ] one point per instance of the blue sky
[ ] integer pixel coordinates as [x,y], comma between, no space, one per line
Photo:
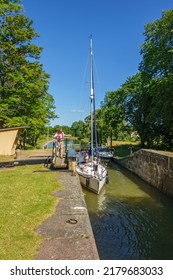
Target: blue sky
[64,26]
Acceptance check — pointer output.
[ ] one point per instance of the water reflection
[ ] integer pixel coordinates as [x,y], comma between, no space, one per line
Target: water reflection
[68,143]
[130,219]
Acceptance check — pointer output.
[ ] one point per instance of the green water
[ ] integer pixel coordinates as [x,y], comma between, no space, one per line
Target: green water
[131,219]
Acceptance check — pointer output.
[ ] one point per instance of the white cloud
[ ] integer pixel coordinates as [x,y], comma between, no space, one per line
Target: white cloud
[77,111]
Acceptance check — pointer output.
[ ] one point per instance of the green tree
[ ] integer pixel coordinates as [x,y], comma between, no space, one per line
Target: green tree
[78,129]
[24,97]
[114,113]
[145,101]
[157,70]
[66,129]
[138,104]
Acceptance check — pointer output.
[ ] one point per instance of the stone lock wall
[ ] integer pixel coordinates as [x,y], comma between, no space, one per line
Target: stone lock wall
[154,167]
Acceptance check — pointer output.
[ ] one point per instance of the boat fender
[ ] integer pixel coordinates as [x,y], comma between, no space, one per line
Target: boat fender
[87,182]
[107,178]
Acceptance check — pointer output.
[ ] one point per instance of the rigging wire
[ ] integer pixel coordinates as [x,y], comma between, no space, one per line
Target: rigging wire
[83,88]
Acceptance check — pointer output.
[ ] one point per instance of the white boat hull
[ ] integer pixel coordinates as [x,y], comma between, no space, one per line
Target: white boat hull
[91,182]
[105,155]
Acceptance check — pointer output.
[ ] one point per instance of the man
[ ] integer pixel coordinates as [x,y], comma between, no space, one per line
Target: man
[59,136]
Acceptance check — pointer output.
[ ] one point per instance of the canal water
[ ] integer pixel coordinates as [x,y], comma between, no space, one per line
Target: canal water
[131,219]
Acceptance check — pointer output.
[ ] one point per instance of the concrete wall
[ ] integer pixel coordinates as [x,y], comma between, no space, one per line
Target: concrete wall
[154,167]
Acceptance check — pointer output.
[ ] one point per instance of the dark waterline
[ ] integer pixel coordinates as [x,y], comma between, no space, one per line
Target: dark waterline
[131,219]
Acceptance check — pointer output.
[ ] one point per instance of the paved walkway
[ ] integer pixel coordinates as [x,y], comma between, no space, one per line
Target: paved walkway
[68,232]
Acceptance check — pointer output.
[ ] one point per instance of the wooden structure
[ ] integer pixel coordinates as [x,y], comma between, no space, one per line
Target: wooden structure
[68,160]
[71,159]
[9,138]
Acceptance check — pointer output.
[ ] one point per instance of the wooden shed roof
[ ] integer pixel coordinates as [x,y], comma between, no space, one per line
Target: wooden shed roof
[12,128]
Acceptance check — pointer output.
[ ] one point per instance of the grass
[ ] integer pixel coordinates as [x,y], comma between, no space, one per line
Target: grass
[121,148]
[26,201]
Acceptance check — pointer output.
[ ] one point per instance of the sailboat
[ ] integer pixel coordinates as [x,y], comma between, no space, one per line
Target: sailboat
[92,174]
[105,153]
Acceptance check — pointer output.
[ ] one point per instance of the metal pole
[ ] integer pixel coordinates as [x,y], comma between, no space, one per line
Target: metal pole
[91,94]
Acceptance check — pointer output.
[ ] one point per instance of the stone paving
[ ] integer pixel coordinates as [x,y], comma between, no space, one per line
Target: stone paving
[68,231]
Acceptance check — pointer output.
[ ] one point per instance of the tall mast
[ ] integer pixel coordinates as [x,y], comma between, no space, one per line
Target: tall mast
[91,94]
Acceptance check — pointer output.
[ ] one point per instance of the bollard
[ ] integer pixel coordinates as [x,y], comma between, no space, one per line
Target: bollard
[17,155]
[71,158]
[73,168]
